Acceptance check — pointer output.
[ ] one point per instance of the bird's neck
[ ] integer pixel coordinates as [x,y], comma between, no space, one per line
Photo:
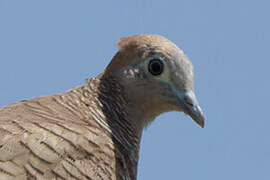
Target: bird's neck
[120,120]
[130,111]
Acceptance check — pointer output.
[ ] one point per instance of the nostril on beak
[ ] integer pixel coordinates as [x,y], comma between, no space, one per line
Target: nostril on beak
[189,101]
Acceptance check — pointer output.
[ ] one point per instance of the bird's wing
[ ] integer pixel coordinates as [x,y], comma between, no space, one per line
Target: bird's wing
[45,138]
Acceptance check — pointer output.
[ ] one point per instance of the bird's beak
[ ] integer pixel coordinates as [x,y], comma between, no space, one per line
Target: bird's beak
[190,106]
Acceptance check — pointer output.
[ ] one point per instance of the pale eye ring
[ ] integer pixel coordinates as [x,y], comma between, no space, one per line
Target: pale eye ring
[155,66]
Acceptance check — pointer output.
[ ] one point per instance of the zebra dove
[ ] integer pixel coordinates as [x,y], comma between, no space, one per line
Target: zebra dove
[93,131]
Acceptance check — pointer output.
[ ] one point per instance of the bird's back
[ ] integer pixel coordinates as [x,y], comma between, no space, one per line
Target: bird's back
[59,137]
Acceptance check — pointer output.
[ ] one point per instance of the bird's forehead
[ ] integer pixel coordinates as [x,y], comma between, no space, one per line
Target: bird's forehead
[182,73]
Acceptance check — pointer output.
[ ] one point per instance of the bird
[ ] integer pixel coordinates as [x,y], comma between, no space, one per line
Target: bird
[93,131]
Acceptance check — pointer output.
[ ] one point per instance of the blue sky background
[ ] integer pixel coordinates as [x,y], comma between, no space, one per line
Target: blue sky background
[47,47]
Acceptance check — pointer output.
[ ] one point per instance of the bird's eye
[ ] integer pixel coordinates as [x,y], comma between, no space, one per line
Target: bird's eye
[155,67]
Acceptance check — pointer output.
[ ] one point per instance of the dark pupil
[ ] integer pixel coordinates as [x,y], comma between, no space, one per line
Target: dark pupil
[155,67]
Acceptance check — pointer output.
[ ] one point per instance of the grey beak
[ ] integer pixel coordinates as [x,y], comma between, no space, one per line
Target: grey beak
[191,106]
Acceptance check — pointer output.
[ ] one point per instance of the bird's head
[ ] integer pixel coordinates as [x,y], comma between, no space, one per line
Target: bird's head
[157,76]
